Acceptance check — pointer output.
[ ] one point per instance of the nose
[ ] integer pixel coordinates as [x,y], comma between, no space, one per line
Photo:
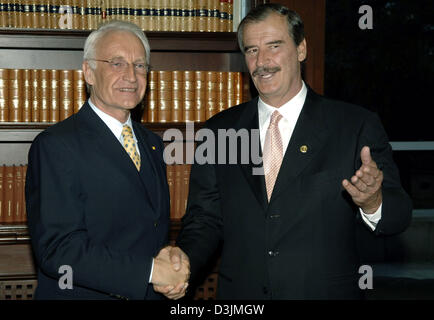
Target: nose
[130,73]
[262,58]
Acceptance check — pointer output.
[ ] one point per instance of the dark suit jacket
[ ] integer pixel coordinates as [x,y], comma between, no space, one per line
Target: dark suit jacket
[88,207]
[302,244]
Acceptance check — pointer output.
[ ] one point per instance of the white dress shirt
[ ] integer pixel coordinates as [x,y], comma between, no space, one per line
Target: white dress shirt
[290,112]
[116,127]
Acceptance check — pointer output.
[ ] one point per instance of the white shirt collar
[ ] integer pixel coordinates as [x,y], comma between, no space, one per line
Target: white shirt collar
[290,110]
[114,125]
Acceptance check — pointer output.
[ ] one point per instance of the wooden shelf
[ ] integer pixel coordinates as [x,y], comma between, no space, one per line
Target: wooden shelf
[13,38]
[14,234]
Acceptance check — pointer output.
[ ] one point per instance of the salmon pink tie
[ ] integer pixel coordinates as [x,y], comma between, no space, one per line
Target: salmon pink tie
[273,153]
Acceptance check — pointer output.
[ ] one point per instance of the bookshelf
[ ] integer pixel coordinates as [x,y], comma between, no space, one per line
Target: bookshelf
[63,49]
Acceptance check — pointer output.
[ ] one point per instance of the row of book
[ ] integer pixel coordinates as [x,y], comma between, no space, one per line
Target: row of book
[43,95]
[184,96]
[150,15]
[12,200]
[178,178]
[40,95]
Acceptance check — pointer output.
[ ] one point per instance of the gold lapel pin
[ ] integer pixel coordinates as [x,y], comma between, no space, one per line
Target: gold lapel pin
[303,149]
[153,147]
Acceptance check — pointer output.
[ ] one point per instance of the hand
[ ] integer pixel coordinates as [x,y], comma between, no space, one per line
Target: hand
[365,185]
[168,281]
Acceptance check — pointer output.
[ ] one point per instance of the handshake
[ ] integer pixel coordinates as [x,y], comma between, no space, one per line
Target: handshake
[171,272]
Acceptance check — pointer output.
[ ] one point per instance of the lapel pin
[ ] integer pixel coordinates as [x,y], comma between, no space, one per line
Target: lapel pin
[303,149]
[153,147]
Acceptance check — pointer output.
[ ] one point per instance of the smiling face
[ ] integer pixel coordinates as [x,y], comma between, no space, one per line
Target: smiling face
[117,92]
[273,59]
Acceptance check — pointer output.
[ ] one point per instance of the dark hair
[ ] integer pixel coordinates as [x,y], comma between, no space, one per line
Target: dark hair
[261,12]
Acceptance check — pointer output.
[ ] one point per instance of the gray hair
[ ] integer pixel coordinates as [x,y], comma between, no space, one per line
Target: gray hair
[113,25]
[261,12]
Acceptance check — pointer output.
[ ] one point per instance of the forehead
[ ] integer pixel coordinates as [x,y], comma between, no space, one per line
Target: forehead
[122,44]
[273,27]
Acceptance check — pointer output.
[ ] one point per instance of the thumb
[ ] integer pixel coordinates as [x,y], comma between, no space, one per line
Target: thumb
[175,258]
[365,155]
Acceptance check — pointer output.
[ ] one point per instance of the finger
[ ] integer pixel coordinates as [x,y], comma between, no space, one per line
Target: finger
[366,176]
[351,189]
[359,184]
[365,155]
[163,289]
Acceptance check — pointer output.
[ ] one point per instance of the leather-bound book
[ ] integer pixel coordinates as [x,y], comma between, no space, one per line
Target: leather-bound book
[8,194]
[15,95]
[65,94]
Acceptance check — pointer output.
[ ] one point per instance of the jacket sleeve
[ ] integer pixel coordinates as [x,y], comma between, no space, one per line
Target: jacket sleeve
[202,224]
[57,225]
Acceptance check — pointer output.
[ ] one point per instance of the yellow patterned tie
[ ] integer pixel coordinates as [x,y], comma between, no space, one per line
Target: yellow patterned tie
[130,145]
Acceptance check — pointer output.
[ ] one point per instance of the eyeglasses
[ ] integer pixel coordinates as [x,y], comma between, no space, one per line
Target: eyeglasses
[121,66]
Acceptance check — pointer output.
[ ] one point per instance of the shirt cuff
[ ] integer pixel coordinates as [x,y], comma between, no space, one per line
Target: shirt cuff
[372,219]
[152,270]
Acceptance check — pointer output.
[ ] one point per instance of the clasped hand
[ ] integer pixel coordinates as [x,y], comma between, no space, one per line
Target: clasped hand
[171,272]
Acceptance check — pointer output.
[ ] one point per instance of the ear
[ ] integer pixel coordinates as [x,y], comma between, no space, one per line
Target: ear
[302,50]
[88,73]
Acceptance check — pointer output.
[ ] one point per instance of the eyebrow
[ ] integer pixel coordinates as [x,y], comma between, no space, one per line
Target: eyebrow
[268,43]
[122,58]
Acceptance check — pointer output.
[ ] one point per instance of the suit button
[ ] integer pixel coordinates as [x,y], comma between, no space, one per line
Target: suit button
[272,253]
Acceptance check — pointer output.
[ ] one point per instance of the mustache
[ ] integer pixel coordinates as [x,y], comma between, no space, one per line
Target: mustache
[260,70]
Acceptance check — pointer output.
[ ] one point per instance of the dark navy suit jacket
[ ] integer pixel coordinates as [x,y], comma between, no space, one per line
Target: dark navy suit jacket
[89,208]
[301,244]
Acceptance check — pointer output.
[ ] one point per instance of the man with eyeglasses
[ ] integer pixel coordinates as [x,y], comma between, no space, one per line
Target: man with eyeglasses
[96,190]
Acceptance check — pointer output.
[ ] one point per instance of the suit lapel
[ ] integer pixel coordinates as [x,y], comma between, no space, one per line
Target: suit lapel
[307,139]
[249,120]
[150,174]
[100,136]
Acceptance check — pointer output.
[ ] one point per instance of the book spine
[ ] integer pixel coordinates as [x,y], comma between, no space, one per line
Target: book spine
[177,96]
[17,201]
[2,184]
[230,22]
[185,186]
[165,96]
[55,95]
[15,95]
[43,14]
[65,94]
[44,108]
[79,90]
[4,95]
[199,96]
[4,15]
[178,191]
[8,194]
[53,12]
[23,191]
[222,90]
[170,172]
[223,11]
[36,94]
[144,10]
[27,96]
[211,94]
[152,96]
